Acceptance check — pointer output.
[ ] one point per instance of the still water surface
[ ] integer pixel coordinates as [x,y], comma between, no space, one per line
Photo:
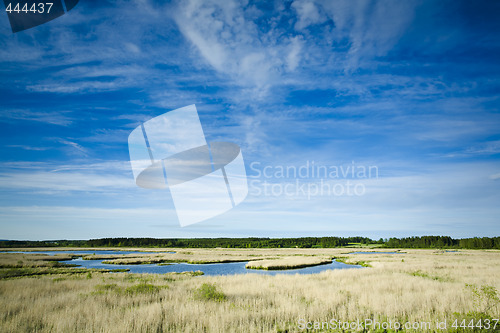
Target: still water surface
[208,269]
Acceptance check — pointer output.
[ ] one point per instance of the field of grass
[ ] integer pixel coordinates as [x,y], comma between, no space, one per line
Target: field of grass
[416,287]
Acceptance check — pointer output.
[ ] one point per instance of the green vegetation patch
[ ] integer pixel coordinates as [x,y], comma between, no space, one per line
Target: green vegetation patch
[424,275]
[209,292]
[111,287]
[348,261]
[143,288]
[485,298]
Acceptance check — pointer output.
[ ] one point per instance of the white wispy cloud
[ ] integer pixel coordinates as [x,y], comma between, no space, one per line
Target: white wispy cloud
[61,118]
[79,87]
[227,37]
[26,147]
[64,181]
[373,27]
[308,14]
[80,175]
[75,147]
[486,148]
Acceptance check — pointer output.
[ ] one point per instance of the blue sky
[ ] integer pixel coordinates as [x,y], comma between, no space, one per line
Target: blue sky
[411,87]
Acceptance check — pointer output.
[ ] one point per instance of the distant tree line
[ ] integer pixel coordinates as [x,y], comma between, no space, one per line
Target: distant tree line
[302,242]
[423,242]
[444,242]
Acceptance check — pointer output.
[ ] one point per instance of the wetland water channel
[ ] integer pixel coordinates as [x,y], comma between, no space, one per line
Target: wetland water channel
[207,269]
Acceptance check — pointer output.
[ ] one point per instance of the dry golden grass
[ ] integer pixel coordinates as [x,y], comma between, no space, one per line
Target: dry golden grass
[288,263]
[208,256]
[12,260]
[197,257]
[417,286]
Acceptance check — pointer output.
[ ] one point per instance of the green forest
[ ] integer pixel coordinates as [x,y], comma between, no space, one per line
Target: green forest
[438,242]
